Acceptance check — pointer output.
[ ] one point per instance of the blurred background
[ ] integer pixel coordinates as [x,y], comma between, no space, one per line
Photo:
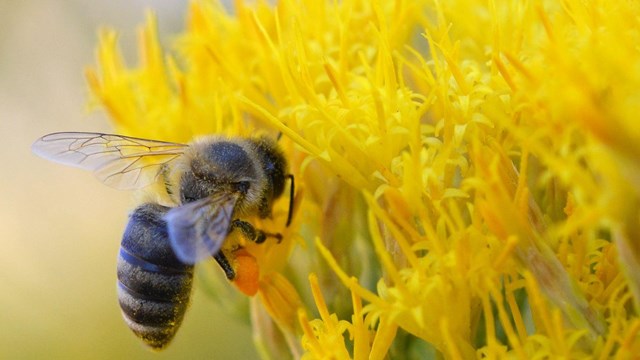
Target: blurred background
[59,227]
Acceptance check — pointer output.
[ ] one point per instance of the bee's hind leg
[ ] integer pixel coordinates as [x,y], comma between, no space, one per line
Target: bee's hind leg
[256,235]
[224,264]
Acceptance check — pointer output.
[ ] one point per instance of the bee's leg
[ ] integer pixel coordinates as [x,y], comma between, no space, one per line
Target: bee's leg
[251,233]
[224,264]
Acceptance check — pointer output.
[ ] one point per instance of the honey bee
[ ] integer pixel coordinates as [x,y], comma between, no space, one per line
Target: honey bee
[213,182]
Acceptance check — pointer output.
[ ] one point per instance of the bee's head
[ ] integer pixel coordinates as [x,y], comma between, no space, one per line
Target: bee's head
[274,165]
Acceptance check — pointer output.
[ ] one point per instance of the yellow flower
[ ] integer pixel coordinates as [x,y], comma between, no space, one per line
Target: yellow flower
[469,168]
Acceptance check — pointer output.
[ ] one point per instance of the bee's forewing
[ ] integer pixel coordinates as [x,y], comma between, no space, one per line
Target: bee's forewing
[119,161]
[198,229]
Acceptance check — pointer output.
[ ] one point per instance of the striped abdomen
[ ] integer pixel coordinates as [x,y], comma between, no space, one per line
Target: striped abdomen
[153,285]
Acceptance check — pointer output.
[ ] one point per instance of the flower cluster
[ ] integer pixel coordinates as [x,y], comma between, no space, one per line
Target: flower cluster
[467,170]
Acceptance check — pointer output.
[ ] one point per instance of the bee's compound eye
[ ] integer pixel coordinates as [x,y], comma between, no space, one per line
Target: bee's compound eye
[242,186]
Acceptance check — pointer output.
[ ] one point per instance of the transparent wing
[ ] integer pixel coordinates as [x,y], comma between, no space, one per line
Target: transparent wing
[119,161]
[198,229]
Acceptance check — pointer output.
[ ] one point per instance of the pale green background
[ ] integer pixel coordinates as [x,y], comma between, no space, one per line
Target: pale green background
[59,227]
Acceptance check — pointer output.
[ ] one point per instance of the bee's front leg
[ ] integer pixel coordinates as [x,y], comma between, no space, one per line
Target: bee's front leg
[256,235]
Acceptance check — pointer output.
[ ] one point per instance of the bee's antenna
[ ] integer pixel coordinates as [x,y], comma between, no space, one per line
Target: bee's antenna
[292,192]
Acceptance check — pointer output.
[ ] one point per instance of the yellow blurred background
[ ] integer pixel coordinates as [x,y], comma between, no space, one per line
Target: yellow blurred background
[59,227]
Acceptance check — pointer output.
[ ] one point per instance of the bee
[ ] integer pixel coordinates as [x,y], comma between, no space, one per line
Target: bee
[213,183]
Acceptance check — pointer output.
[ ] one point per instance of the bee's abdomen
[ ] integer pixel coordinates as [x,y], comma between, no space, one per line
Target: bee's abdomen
[153,285]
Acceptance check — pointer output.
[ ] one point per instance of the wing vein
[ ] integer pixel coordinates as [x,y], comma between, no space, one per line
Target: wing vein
[119,161]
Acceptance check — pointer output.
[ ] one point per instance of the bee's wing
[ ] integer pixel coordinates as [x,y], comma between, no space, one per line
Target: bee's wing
[119,161]
[198,229]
